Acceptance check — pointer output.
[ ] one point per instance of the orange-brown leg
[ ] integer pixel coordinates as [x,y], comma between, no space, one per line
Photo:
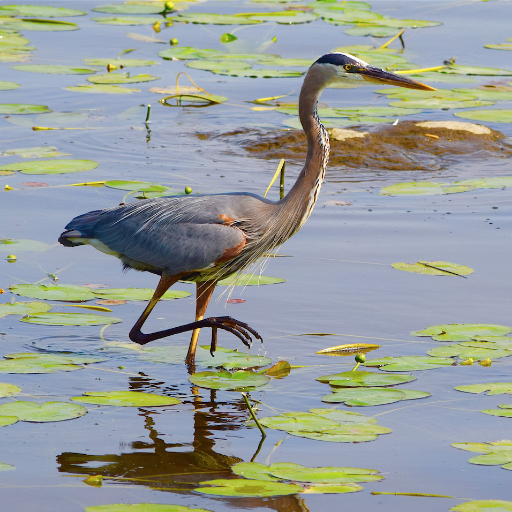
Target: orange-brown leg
[204,293]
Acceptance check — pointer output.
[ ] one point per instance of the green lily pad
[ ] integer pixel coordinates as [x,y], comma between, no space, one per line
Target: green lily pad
[184,100]
[495,454]
[101,89]
[332,488]
[11,245]
[65,358]
[40,10]
[421,268]
[215,19]
[6,467]
[499,182]
[20,108]
[62,166]
[121,63]
[37,152]
[8,86]
[126,399]
[37,365]
[143,507]
[462,332]
[445,104]
[491,95]
[247,488]
[227,38]
[424,188]
[41,25]
[280,61]
[121,78]
[5,421]
[70,319]
[136,186]
[55,69]
[127,20]
[375,112]
[239,381]
[212,65]
[436,77]
[483,506]
[338,13]
[372,396]
[256,471]
[260,73]
[66,292]
[249,280]
[458,69]
[186,53]
[136,294]
[23,308]
[477,353]
[369,30]
[394,23]
[503,46]
[492,116]
[325,475]
[345,5]
[129,9]
[286,17]
[8,389]
[493,388]
[356,379]
[409,363]
[492,342]
[505,411]
[42,413]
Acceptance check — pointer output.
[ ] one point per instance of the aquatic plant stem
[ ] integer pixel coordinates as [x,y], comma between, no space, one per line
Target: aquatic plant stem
[147,115]
[385,45]
[253,416]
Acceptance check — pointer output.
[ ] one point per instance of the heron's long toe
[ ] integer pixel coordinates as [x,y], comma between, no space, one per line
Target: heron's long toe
[239,329]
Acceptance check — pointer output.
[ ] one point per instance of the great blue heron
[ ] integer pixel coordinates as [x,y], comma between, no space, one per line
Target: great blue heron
[209,237]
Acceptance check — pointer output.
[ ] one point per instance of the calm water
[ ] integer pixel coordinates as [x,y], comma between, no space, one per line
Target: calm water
[338,281]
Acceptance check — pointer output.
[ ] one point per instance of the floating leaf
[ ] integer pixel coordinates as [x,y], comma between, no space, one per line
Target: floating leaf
[55,69]
[491,116]
[38,365]
[23,308]
[201,99]
[8,389]
[348,349]
[62,166]
[20,108]
[249,280]
[325,475]
[437,77]
[332,488]
[41,25]
[130,9]
[214,65]
[238,381]
[493,388]
[495,454]
[261,73]
[505,411]
[279,370]
[7,86]
[127,20]
[215,19]
[143,507]
[476,353]
[121,78]
[286,17]
[369,30]
[355,379]
[427,268]
[121,63]
[101,89]
[5,421]
[475,70]
[42,413]
[444,104]
[140,186]
[37,152]
[125,399]
[12,245]
[372,396]
[483,506]
[136,294]
[66,292]
[409,363]
[247,488]
[338,13]
[393,23]
[503,46]
[488,94]
[462,332]
[54,358]
[227,38]
[40,10]
[70,319]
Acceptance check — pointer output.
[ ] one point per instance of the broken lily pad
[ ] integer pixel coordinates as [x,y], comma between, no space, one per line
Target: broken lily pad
[493,388]
[125,399]
[372,396]
[238,381]
[409,363]
[42,413]
[462,332]
[355,379]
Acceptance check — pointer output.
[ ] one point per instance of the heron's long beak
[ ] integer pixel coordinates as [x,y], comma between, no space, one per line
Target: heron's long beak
[379,76]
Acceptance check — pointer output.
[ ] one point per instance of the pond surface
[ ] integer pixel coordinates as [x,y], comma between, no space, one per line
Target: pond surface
[339,279]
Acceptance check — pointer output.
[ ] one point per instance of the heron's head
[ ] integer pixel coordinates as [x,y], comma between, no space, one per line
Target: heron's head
[344,70]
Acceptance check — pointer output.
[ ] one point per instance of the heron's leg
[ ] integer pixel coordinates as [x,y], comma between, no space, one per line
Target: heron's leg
[204,293]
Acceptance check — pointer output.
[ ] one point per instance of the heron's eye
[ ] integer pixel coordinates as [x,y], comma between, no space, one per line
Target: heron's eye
[347,67]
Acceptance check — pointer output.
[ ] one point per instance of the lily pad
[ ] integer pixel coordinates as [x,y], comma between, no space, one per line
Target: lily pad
[505,411]
[280,61]
[491,116]
[8,389]
[476,352]
[394,23]
[66,292]
[489,94]
[62,166]
[249,280]
[247,488]
[372,396]
[130,9]
[286,17]
[101,89]
[437,77]
[483,506]
[338,13]
[475,70]
[55,69]
[56,358]
[37,365]
[21,108]
[239,381]
[356,379]
[426,267]
[6,467]
[436,103]
[5,421]
[136,294]
[462,332]
[121,78]
[142,507]
[260,73]
[42,413]
[121,63]
[126,399]
[40,10]
[495,454]
[8,86]
[493,388]
[70,319]
[213,65]
[183,100]
[12,245]
[369,30]
[37,152]
[38,25]
[215,19]
[424,188]
[325,475]
[23,308]
[503,46]
[409,363]
[127,20]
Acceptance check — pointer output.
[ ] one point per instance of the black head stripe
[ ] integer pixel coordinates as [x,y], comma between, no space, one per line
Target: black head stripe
[337,59]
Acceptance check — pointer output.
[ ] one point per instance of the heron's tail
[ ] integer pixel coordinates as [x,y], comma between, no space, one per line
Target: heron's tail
[81,227]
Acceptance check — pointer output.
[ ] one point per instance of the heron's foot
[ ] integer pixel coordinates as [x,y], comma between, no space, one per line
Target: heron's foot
[240,329]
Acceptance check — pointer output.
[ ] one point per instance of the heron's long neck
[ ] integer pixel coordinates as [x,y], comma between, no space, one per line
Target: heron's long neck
[299,202]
